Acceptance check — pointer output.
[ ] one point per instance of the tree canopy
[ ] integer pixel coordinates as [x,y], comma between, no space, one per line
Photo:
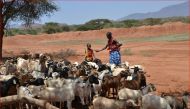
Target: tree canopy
[26,11]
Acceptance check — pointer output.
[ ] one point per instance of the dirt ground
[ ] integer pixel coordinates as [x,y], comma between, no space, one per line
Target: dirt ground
[166,62]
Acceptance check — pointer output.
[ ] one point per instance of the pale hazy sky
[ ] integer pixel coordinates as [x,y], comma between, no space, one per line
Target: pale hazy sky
[81,11]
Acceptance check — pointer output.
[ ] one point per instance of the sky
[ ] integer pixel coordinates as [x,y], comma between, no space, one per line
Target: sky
[81,11]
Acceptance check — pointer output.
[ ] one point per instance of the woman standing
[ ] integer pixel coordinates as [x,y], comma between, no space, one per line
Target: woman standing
[114,49]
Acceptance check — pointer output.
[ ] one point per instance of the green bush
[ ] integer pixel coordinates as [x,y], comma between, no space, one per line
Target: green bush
[131,23]
[152,21]
[31,31]
[94,25]
[65,28]
[51,28]
[118,25]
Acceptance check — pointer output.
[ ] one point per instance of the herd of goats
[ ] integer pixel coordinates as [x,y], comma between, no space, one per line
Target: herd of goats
[86,84]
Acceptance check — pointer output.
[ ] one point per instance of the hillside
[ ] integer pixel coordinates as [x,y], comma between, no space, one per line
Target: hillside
[170,11]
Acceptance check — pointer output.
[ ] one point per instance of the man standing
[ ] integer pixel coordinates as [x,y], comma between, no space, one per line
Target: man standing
[114,49]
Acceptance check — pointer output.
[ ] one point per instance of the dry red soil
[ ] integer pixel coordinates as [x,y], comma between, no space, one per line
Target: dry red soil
[167,67]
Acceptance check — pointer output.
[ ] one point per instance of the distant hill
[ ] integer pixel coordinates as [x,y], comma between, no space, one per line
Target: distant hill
[170,11]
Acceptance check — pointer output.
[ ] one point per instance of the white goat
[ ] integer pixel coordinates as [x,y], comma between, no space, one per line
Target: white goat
[22,65]
[105,103]
[117,71]
[55,94]
[136,95]
[6,77]
[150,101]
[93,64]
[56,82]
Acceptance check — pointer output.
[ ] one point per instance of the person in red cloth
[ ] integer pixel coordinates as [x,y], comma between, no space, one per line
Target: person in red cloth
[114,49]
[89,53]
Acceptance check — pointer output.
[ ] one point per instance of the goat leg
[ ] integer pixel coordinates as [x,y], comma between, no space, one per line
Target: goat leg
[60,105]
[69,105]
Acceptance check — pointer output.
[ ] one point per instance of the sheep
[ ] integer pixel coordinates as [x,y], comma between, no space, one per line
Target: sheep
[105,103]
[150,101]
[135,95]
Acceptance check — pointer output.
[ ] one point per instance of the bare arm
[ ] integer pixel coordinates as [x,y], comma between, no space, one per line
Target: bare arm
[118,44]
[102,48]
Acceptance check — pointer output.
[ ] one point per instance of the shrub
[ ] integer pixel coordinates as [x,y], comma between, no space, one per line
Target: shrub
[62,54]
[148,53]
[131,23]
[25,52]
[95,24]
[65,28]
[51,28]
[31,31]
[152,21]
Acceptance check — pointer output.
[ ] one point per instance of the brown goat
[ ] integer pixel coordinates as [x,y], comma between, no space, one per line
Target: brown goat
[112,82]
[135,84]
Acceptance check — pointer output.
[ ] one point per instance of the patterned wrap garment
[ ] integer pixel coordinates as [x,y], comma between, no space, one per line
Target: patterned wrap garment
[115,56]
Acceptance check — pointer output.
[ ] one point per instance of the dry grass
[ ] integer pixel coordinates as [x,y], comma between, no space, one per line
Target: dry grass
[127,52]
[148,53]
[63,54]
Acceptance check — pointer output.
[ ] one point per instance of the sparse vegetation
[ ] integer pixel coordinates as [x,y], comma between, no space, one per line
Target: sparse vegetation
[148,53]
[127,52]
[25,52]
[96,24]
[63,54]
[124,40]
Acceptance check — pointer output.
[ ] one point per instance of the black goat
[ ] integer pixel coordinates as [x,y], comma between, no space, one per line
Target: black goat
[9,84]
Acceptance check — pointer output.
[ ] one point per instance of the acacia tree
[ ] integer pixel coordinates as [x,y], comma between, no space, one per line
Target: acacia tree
[26,11]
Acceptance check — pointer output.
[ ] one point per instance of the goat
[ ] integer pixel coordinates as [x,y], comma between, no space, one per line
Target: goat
[113,82]
[134,84]
[105,103]
[174,102]
[135,95]
[9,87]
[150,101]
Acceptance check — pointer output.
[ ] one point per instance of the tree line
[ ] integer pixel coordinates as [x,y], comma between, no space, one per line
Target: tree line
[96,24]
